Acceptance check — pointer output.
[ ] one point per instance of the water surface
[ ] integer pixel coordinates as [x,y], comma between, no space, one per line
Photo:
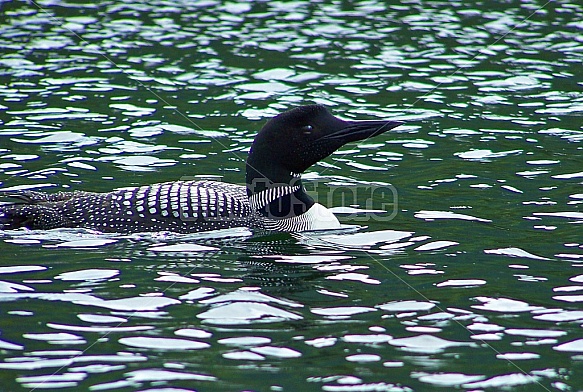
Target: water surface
[471,280]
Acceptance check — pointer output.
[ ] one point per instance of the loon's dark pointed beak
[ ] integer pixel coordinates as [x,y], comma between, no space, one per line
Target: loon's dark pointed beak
[360,130]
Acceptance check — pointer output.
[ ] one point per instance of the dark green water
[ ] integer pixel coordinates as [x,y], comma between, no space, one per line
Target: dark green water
[475,283]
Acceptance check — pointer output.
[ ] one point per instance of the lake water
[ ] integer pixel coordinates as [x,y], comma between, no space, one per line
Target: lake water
[471,280]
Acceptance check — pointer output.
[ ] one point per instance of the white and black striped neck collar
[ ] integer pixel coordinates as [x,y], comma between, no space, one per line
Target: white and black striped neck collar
[278,200]
[262,199]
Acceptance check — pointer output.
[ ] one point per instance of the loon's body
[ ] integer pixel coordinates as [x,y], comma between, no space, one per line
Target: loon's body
[273,198]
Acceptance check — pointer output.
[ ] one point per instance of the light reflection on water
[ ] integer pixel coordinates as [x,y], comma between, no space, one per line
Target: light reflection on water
[473,284]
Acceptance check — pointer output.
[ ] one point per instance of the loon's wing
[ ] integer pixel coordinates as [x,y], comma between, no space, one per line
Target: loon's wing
[181,206]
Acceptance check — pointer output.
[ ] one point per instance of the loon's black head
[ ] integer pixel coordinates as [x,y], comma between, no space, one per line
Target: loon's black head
[293,141]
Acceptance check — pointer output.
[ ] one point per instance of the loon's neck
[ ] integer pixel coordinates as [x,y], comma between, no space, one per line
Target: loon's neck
[284,203]
[276,193]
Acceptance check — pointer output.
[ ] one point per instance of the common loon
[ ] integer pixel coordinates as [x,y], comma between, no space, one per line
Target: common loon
[273,199]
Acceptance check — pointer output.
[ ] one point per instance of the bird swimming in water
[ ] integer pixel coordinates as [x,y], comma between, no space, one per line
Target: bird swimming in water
[273,198]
